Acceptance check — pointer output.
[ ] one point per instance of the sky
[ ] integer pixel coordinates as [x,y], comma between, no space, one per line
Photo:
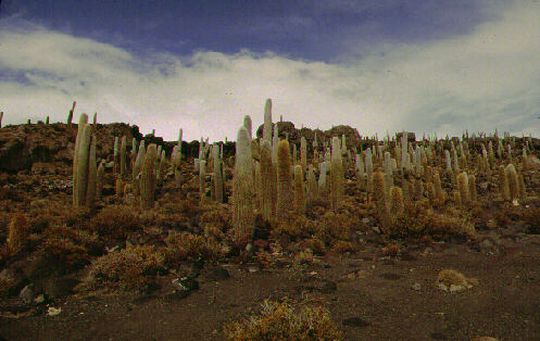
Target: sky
[388,65]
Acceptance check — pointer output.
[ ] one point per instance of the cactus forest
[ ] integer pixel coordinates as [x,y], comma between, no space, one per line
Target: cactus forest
[319,234]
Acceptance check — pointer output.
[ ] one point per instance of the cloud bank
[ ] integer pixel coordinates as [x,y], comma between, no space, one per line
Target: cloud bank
[488,78]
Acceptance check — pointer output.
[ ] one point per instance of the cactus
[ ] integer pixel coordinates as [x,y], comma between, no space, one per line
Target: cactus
[176,162]
[219,188]
[148,178]
[504,184]
[284,187]
[1,118]
[299,196]
[267,128]
[462,180]
[47,120]
[440,194]
[322,185]
[116,155]
[303,153]
[337,176]
[248,126]
[123,160]
[84,165]
[243,217]
[397,206]
[513,181]
[94,119]
[70,115]
[100,180]
[312,187]
[268,182]
[472,188]
[202,181]
[522,188]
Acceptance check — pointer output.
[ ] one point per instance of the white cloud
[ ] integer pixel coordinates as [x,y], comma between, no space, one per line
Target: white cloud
[485,79]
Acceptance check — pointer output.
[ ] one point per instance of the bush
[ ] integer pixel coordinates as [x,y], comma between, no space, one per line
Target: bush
[185,245]
[279,321]
[132,268]
[18,232]
[115,222]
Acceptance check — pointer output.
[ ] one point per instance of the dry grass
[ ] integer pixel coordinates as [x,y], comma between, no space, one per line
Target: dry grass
[280,321]
[115,222]
[185,245]
[18,232]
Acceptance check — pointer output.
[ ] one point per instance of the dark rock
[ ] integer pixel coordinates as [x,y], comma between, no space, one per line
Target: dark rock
[59,287]
[355,322]
[27,294]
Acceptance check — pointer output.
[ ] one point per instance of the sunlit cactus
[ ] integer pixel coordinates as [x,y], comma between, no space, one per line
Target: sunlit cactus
[512,180]
[243,191]
[219,189]
[100,180]
[397,206]
[337,177]
[267,128]
[303,153]
[299,191]
[463,187]
[473,194]
[248,126]
[84,165]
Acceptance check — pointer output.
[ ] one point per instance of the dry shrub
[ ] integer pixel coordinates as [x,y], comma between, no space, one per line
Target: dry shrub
[531,218]
[392,250]
[216,215]
[315,244]
[185,245]
[7,283]
[304,257]
[342,246]
[335,226]
[116,222]
[212,231]
[132,268]
[295,226]
[67,246]
[280,321]
[265,259]
[18,232]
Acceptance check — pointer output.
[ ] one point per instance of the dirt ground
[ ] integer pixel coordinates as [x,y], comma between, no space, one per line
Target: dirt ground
[371,298]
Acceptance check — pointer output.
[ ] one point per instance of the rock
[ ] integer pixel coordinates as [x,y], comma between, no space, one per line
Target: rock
[27,294]
[39,299]
[355,322]
[59,287]
[365,220]
[416,287]
[185,284]
[376,229]
[253,269]
[52,311]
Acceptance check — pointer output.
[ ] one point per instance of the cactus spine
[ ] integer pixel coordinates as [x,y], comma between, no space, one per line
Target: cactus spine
[243,217]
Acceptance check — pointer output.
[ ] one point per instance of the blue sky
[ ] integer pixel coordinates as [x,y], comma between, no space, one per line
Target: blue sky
[433,66]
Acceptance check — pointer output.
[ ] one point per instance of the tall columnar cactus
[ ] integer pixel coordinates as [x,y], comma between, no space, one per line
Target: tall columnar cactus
[463,187]
[267,128]
[388,172]
[404,153]
[472,188]
[504,184]
[299,191]
[147,181]
[1,118]
[123,160]
[139,161]
[70,114]
[84,165]
[312,187]
[512,180]
[243,216]
[284,186]
[202,181]
[322,183]
[275,142]
[219,188]
[268,182]
[303,153]
[248,125]
[100,180]
[337,175]
[397,206]
[116,155]
[176,160]
[440,194]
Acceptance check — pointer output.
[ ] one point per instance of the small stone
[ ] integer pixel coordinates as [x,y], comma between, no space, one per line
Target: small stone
[52,311]
[39,299]
[376,229]
[416,287]
[27,294]
[365,220]
[253,269]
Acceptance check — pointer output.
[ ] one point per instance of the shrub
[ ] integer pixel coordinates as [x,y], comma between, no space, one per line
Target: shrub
[18,232]
[68,246]
[185,245]
[115,222]
[132,268]
[280,321]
